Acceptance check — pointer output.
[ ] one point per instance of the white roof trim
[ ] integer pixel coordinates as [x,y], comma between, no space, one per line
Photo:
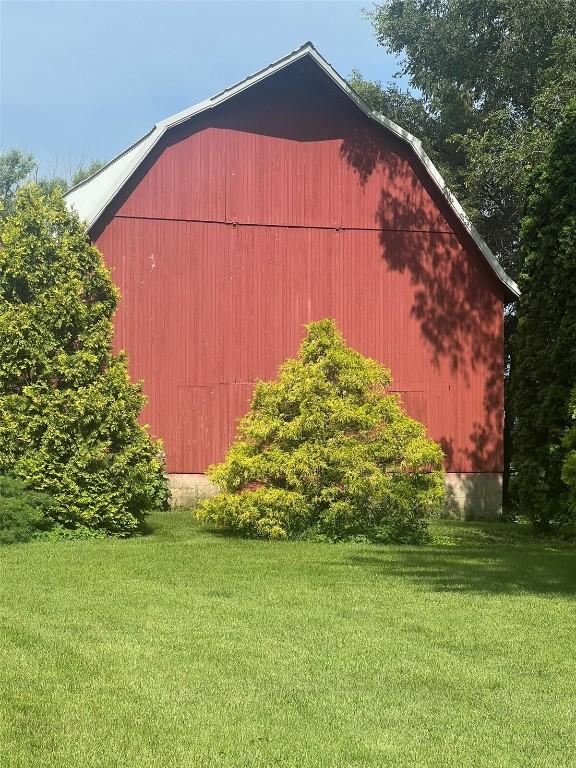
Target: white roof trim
[92,196]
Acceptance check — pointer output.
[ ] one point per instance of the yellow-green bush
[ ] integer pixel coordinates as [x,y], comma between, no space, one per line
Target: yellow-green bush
[327,451]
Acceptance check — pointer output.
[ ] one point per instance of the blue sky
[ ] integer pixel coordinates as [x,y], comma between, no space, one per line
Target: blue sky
[82,80]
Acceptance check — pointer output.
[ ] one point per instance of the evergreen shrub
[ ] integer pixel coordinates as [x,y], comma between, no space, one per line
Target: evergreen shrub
[327,451]
[68,410]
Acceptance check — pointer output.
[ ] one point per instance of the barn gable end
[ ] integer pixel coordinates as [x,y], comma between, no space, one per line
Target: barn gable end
[282,205]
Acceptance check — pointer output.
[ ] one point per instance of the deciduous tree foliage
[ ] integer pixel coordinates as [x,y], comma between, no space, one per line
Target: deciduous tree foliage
[83,173]
[17,168]
[68,411]
[545,344]
[326,450]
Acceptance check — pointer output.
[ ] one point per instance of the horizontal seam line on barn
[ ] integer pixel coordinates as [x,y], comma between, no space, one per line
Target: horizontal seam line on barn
[255,381]
[216,384]
[333,227]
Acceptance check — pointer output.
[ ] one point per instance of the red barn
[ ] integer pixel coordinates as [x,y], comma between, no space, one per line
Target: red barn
[282,200]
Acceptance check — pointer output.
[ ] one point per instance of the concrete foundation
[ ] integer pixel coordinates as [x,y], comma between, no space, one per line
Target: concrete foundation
[469,496]
[187,490]
[474,495]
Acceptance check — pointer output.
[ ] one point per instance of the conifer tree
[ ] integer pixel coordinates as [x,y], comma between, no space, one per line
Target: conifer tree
[326,451]
[544,363]
[569,466]
[68,411]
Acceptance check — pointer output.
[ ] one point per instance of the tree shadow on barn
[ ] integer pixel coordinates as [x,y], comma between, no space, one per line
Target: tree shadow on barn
[454,298]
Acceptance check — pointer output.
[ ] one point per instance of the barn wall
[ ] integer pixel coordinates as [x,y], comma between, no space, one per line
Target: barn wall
[271,213]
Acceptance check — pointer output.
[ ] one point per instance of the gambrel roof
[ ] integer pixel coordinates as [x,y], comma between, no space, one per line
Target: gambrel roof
[91,197]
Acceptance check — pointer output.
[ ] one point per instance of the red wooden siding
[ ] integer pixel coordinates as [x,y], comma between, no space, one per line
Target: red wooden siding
[240,165]
[282,207]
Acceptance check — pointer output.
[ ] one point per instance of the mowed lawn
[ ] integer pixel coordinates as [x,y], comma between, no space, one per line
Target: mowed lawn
[187,648]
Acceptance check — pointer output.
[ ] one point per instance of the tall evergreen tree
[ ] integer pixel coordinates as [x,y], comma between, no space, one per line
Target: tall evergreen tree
[68,411]
[544,354]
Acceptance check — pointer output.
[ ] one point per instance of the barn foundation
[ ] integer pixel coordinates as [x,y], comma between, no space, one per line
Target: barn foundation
[474,495]
[188,489]
[469,495]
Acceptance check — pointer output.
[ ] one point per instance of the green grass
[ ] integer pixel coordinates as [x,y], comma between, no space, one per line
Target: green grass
[186,648]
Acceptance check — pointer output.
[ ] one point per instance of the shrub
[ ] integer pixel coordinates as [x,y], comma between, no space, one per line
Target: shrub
[68,411]
[22,512]
[326,451]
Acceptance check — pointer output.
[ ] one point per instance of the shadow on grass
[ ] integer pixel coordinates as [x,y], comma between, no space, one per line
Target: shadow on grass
[480,569]
[146,528]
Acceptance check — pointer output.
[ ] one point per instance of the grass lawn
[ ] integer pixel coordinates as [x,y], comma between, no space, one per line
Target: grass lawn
[186,648]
